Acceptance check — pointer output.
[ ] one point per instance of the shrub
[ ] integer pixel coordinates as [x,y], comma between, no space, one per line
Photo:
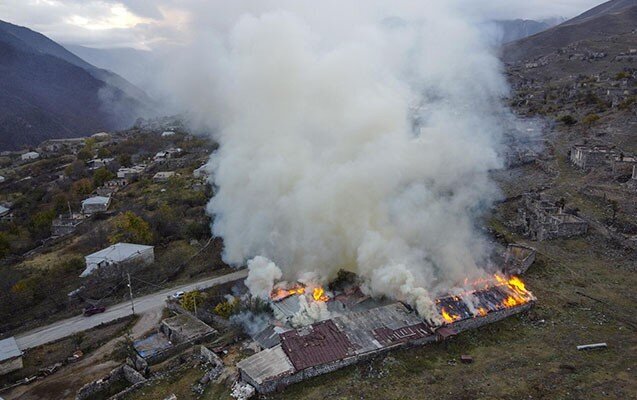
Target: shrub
[102,175]
[192,300]
[227,308]
[568,120]
[590,119]
[129,227]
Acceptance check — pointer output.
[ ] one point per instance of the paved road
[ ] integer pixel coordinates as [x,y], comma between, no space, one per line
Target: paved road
[68,327]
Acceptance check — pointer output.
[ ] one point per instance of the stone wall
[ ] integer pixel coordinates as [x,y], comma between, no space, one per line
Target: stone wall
[10,365]
[123,372]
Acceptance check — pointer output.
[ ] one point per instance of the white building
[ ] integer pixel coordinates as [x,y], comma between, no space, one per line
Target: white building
[95,204]
[31,155]
[118,254]
[167,133]
[2,179]
[10,356]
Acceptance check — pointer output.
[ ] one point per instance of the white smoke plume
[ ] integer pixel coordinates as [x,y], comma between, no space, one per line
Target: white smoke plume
[358,137]
[262,275]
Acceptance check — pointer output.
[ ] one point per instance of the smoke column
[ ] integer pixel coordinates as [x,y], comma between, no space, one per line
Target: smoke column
[364,145]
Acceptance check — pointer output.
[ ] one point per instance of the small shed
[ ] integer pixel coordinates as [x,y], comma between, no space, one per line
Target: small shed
[10,356]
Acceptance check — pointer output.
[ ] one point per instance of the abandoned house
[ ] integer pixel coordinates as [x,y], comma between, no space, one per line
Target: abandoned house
[10,356]
[184,328]
[65,225]
[163,176]
[518,258]
[166,154]
[542,219]
[111,259]
[587,158]
[623,165]
[96,204]
[173,335]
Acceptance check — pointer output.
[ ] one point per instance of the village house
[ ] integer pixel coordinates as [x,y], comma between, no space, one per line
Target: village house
[131,173]
[163,176]
[30,155]
[10,356]
[111,259]
[543,219]
[99,163]
[587,158]
[167,154]
[167,133]
[2,179]
[96,204]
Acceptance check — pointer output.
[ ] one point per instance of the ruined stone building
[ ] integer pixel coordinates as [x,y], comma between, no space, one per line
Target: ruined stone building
[587,158]
[623,164]
[518,258]
[65,225]
[542,219]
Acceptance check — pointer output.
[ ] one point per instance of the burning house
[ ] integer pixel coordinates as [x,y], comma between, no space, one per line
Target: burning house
[351,337]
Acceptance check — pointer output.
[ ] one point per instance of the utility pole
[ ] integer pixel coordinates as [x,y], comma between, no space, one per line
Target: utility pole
[195,298]
[130,291]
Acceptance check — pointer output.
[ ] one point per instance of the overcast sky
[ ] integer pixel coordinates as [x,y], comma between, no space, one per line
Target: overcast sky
[148,24]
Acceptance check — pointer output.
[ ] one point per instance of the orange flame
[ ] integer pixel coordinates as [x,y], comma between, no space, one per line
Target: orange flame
[517,294]
[319,294]
[280,293]
[448,317]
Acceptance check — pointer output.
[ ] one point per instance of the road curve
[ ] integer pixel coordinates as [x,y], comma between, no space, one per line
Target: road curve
[68,327]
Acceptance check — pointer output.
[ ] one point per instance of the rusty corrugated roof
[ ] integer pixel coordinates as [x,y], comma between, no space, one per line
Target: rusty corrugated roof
[316,344]
[388,337]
